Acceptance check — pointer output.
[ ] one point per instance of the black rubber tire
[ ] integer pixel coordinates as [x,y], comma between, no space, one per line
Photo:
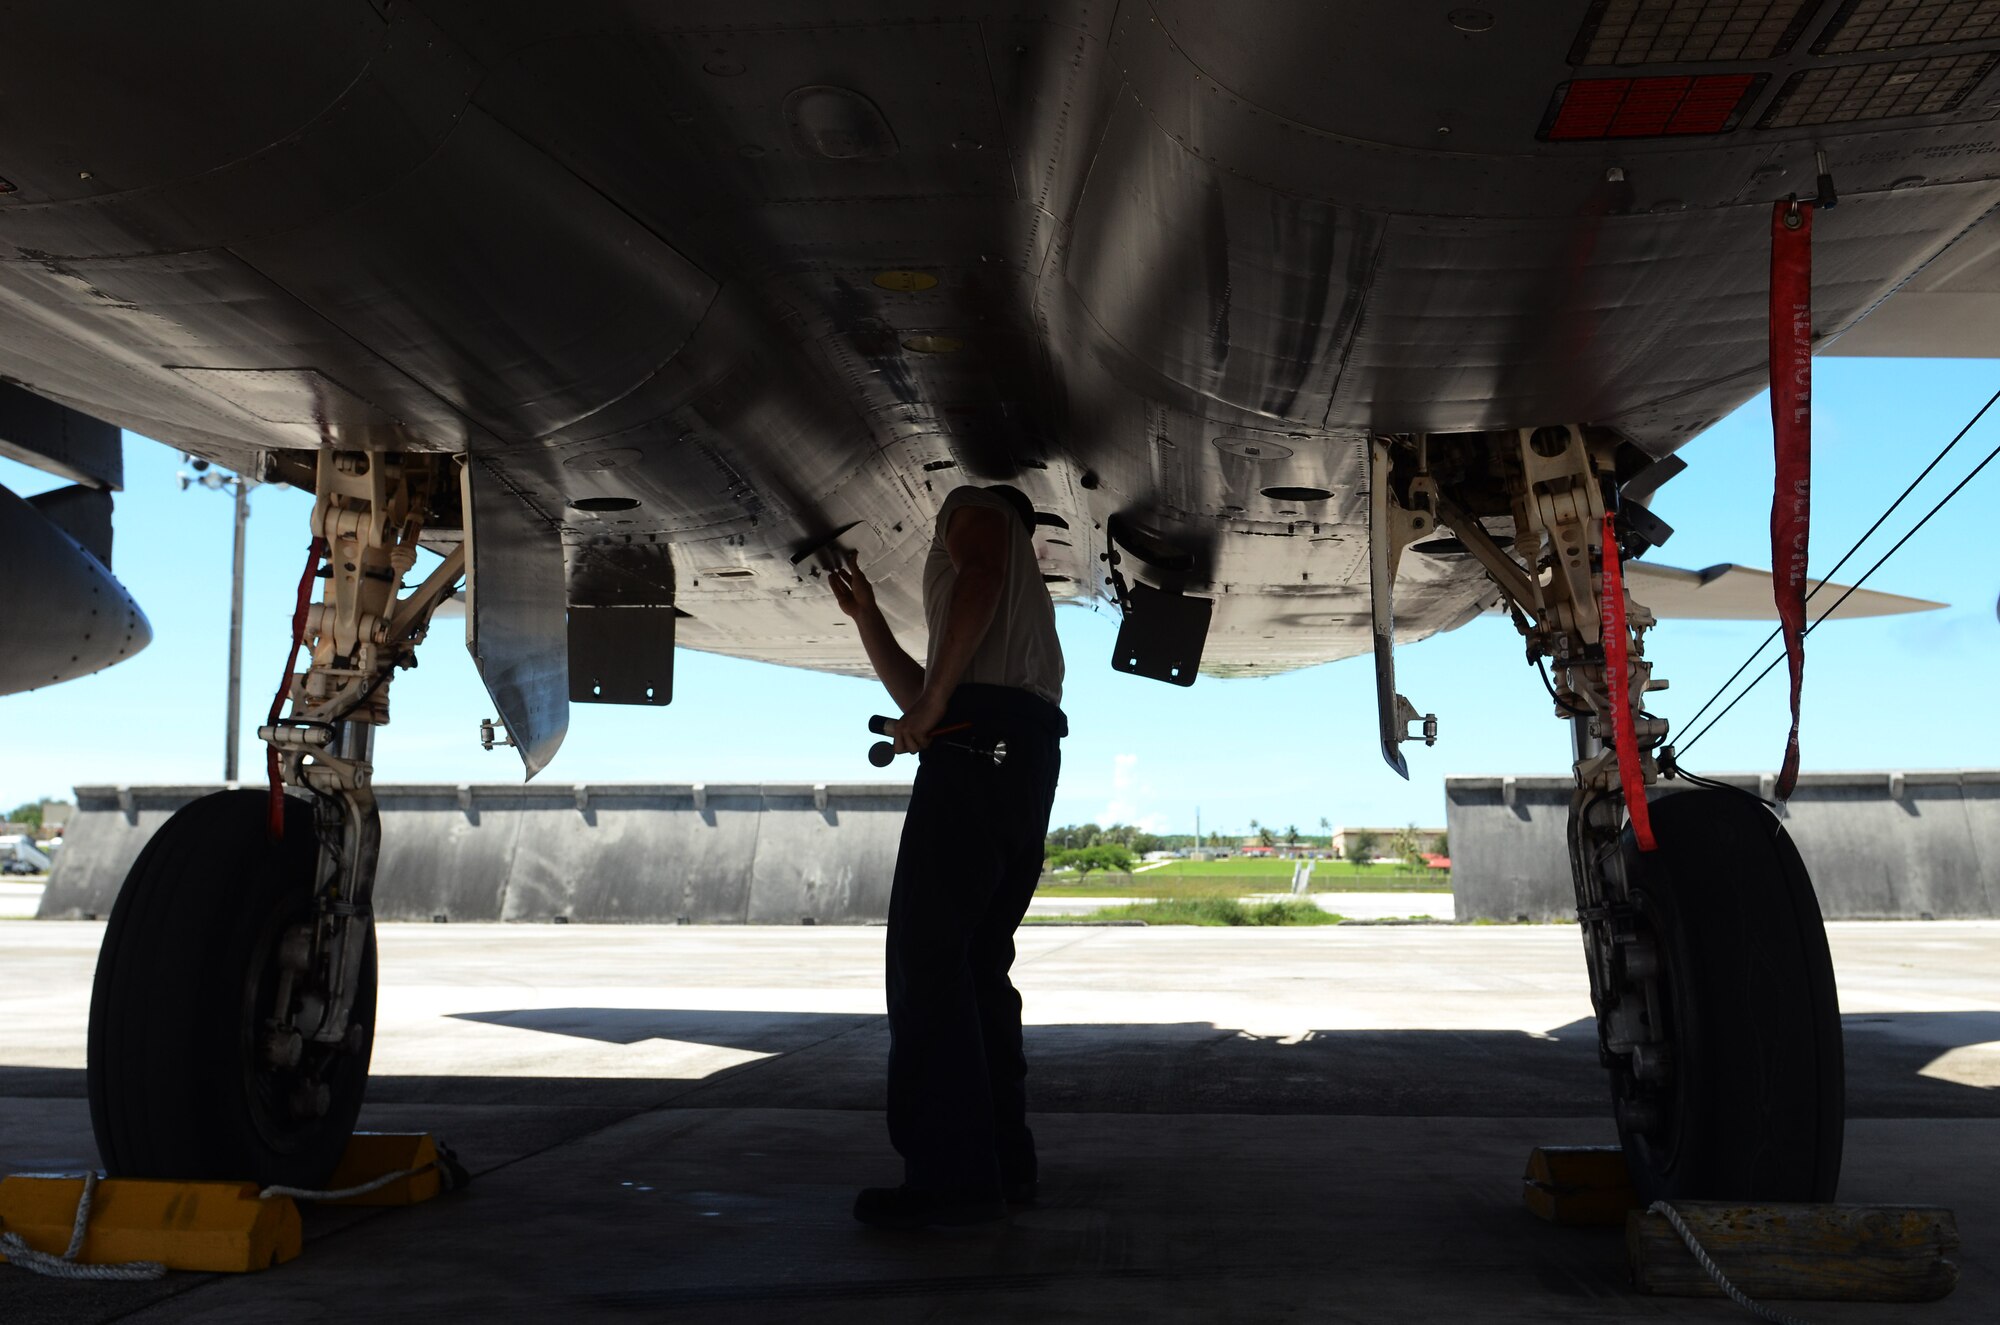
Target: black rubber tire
[178,1087]
[1756,1106]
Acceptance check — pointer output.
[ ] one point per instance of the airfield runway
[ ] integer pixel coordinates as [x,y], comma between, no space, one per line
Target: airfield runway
[1322,1124]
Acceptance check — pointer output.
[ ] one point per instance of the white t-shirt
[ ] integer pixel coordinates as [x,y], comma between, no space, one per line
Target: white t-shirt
[1020,647]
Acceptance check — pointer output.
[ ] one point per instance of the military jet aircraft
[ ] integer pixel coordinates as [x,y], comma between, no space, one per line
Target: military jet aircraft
[1306,328]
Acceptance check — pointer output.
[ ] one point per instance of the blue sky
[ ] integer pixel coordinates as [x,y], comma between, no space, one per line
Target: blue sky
[1896,693]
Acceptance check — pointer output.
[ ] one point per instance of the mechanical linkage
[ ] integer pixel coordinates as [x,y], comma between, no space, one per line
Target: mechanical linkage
[371,509]
[1529,505]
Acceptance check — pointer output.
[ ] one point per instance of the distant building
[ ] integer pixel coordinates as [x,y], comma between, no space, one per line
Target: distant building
[1256,846]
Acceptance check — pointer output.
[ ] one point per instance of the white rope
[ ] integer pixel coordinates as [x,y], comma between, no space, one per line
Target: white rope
[1702,1258]
[66,1266]
[343,1193]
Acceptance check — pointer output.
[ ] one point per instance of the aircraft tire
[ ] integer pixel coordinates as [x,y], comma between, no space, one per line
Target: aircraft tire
[179,1087]
[1755,1106]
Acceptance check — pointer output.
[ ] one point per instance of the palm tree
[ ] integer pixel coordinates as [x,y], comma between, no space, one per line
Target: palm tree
[1405,845]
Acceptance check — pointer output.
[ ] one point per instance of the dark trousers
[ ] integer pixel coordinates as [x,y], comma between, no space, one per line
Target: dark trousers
[970,858]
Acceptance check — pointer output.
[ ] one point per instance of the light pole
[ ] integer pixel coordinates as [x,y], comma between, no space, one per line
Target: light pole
[216,481]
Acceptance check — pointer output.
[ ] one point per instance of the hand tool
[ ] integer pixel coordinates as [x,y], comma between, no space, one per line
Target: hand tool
[882,752]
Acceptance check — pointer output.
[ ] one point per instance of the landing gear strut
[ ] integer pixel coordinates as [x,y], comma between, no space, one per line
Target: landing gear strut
[1709,971]
[233,1013]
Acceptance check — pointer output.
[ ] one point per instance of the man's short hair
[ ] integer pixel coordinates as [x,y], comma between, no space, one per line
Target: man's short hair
[1019,501]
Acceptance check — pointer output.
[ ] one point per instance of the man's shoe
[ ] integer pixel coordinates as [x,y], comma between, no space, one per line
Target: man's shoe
[920,1207]
[1022,1193]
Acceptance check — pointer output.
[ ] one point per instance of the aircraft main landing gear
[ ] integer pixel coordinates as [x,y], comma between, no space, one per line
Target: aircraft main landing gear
[232,1017]
[1717,1016]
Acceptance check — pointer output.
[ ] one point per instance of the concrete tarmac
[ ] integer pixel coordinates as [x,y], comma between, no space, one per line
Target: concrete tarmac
[20,897]
[1236,1125]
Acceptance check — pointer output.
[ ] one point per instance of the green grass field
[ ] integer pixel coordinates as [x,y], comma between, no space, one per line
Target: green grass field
[1239,877]
[1247,865]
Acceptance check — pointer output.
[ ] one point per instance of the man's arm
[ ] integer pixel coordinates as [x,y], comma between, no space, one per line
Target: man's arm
[901,675]
[976,538]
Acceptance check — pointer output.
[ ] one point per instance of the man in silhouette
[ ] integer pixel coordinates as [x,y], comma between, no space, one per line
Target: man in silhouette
[970,857]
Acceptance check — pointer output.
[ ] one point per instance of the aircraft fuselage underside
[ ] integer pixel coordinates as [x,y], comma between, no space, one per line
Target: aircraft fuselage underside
[700,294]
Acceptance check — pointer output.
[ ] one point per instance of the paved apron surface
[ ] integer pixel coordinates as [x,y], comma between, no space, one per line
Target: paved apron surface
[1323,1124]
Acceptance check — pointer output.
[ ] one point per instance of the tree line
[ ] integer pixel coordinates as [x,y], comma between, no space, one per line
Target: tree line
[1071,841]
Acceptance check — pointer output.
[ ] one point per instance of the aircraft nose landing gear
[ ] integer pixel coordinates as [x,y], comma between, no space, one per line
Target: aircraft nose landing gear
[1709,971]
[233,1012]
[188,1076]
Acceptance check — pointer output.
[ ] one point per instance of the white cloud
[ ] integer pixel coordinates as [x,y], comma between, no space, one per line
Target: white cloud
[1128,795]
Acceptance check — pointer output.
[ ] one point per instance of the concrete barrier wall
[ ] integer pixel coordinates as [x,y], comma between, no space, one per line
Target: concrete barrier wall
[1879,846]
[1509,848]
[729,854]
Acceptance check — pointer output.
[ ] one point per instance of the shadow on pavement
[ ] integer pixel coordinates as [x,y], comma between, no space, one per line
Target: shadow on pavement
[835,1061]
